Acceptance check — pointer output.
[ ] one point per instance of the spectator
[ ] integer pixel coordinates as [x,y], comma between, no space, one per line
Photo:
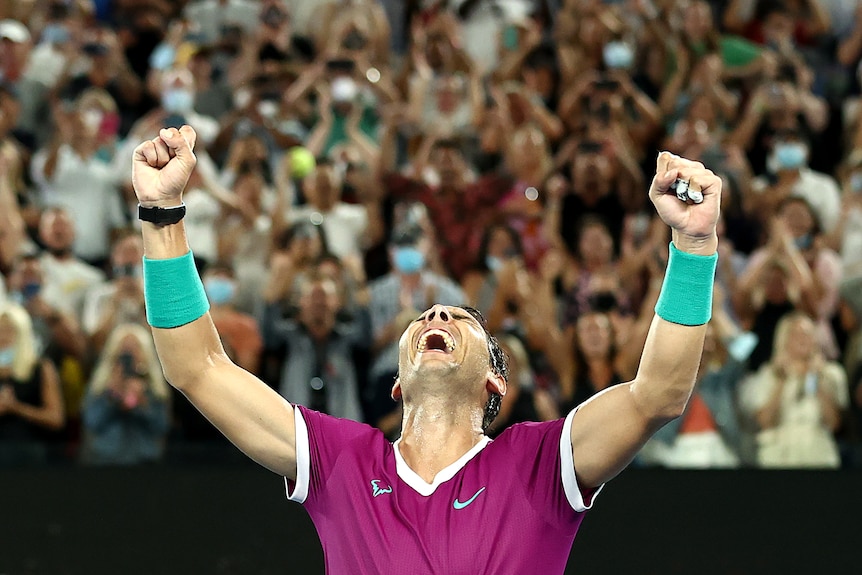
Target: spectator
[67,278]
[119,300]
[797,243]
[796,400]
[125,412]
[239,331]
[31,403]
[70,175]
[14,49]
[347,228]
[790,176]
[318,353]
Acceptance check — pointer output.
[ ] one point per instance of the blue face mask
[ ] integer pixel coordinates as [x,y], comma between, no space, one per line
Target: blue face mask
[856,182]
[790,155]
[220,290]
[7,356]
[617,55]
[408,260]
[55,34]
[494,263]
[178,100]
[804,242]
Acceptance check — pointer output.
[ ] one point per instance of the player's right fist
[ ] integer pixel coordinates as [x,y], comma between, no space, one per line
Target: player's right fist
[161,167]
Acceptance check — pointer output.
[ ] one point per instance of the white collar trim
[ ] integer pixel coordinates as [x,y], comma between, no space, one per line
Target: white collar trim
[424,488]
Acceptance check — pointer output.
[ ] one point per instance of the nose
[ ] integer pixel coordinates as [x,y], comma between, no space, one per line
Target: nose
[438,311]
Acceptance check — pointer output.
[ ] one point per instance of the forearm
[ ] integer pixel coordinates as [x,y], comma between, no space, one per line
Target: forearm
[672,351]
[66,334]
[43,415]
[186,352]
[768,416]
[850,49]
[830,413]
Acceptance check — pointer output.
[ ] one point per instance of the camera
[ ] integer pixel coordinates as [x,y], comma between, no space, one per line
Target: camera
[94,49]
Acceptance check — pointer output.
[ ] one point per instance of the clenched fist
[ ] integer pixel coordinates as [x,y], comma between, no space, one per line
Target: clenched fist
[693,224]
[161,167]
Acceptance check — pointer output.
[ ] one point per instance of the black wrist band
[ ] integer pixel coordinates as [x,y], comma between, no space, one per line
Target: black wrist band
[161,216]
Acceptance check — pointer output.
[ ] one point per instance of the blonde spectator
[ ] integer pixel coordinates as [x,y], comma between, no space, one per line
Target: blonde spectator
[796,400]
[126,411]
[30,397]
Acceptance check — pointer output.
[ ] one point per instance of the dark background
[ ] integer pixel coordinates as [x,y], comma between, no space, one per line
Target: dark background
[236,520]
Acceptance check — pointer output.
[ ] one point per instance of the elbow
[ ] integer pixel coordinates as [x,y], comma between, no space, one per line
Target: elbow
[661,404]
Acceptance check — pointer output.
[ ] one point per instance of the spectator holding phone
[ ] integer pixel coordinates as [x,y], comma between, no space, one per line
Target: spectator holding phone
[119,300]
[796,400]
[125,413]
[31,402]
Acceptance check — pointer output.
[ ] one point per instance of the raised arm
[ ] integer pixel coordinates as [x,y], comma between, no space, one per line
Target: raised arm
[609,429]
[248,412]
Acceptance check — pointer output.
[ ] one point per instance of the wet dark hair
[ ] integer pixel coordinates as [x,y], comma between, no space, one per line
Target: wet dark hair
[499,365]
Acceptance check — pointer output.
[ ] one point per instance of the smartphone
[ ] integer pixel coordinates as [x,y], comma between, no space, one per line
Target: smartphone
[345,65]
[590,147]
[175,121]
[607,85]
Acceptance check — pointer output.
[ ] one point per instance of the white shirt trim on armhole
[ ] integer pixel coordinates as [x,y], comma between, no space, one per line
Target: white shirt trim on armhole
[303,460]
[570,480]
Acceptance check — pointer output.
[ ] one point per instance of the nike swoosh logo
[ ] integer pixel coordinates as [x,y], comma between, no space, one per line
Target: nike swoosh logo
[458,505]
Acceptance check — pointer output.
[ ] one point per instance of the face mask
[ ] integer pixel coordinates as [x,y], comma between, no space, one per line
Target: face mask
[790,155]
[163,57]
[343,89]
[220,290]
[128,271]
[494,263]
[856,182]
[92,120]
[55,34]
[804,242]
[409,260]
[617,55]
[7,356]
[178,100]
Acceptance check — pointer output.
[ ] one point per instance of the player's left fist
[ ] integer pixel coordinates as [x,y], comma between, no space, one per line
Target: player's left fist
[687,197]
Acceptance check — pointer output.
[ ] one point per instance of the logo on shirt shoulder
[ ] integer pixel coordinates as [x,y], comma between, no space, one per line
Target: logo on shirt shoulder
[377,490]
[458,505]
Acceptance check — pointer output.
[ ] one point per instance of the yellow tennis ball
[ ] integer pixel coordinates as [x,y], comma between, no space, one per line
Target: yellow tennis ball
[301,161]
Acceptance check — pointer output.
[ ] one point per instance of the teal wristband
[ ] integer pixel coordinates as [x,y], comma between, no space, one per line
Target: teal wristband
[686,294]
[173,292]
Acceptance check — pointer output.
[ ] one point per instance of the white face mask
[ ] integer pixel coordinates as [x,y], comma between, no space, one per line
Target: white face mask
[92,119]
[241,98]
[178,100]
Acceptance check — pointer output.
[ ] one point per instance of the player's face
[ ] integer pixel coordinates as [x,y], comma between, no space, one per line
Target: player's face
[444,341]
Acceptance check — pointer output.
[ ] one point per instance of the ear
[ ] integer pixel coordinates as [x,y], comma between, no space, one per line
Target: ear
[396,390]
[495,384]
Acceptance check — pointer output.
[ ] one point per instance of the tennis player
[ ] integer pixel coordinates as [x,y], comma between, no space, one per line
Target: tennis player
[444,498]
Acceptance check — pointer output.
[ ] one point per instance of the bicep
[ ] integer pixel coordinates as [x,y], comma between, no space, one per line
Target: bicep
[249,413]
[607,432]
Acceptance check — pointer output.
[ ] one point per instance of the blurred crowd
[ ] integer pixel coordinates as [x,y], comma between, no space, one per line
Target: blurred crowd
[359,160]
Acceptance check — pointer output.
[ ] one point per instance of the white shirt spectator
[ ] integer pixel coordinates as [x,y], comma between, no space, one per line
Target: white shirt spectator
[87,189]
[343,226]
[67,281]
[96,304]
[202,211]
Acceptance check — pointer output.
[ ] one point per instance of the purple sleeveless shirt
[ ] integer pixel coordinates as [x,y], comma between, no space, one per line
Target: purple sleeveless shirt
[508,506]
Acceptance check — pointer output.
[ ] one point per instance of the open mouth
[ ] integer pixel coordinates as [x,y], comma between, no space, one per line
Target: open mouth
[436,340]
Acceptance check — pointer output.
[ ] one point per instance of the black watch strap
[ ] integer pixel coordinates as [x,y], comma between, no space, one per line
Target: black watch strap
[161,216]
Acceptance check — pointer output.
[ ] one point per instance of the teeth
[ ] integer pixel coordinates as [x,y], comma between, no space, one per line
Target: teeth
[447,339]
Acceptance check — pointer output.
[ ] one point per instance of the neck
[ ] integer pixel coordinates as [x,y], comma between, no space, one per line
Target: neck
[410,280]
[438,432]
